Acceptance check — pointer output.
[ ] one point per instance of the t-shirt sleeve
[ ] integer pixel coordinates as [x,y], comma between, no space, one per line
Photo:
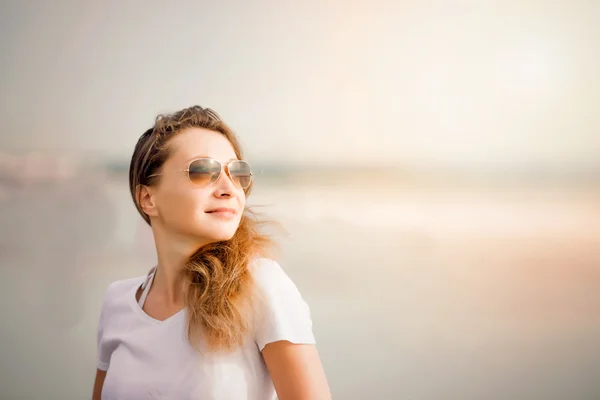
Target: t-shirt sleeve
[281,311]
[102,346]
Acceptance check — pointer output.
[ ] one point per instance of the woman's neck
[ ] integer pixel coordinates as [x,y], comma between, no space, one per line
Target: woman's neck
[173,252]
[169,279]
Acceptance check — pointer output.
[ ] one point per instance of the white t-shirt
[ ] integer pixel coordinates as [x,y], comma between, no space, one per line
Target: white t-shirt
[150,359]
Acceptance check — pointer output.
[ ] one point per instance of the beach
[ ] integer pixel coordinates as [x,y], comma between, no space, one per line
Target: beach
[416,291]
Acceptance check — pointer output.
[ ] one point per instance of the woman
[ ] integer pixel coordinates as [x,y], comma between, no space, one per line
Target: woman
[215,319]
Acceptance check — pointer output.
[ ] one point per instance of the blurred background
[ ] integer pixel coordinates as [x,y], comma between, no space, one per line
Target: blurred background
[436,165]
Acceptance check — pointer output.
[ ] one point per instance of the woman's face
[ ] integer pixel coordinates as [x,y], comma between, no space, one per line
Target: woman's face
[191,210]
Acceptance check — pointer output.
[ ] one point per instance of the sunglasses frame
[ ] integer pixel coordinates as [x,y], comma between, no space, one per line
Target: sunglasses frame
[223,166]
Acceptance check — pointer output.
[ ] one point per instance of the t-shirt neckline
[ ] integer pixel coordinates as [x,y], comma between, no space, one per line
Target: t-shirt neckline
[138,310]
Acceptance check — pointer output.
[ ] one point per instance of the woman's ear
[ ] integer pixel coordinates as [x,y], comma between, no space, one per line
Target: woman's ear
[145,197]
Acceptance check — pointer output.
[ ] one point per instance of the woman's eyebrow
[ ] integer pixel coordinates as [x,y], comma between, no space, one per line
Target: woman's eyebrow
[197,157]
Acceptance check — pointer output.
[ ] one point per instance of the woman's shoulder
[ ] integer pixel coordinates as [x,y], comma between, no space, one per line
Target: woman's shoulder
[281,311]
[120,289]
[266,271]
[272,280]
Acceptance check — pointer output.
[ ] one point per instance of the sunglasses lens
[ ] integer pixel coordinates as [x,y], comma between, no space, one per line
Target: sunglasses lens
[240,173]
[205,171]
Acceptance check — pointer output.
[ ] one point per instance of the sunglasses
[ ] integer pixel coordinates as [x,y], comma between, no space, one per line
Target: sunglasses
[206,171]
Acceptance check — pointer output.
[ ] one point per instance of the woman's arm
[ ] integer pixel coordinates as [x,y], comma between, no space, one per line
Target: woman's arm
[296,371]
[98,384]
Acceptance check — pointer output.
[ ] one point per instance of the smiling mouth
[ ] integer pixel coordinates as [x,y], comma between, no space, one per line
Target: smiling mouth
[222,211]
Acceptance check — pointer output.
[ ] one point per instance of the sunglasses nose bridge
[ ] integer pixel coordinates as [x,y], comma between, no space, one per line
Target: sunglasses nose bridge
[224,167]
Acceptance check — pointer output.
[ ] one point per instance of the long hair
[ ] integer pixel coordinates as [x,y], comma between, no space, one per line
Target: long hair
[218,285]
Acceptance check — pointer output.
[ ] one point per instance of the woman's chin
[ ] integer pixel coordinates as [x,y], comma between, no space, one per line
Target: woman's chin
[222,237]
[212,230]
[220,234]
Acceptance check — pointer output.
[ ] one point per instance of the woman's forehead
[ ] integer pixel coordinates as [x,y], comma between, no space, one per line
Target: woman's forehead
[197,142]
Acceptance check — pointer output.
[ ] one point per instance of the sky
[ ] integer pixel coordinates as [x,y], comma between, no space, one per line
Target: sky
[414,82]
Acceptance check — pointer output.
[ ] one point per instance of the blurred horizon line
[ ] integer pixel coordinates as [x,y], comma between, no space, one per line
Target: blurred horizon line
[39,165]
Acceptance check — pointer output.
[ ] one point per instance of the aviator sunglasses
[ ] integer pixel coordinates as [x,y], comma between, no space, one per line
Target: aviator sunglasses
[206,171]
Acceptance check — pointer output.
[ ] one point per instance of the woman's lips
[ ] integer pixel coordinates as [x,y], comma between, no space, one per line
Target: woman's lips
[222,212]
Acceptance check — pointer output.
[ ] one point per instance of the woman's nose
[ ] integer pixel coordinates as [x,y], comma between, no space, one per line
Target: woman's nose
[224,185]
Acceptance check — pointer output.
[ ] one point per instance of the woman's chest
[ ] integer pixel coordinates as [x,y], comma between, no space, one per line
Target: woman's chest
[157,371]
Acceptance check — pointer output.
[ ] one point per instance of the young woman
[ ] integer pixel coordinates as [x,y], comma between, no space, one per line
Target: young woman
[215,319]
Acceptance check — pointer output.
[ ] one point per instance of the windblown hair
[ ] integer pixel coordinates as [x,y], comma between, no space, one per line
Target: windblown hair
[218,285]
